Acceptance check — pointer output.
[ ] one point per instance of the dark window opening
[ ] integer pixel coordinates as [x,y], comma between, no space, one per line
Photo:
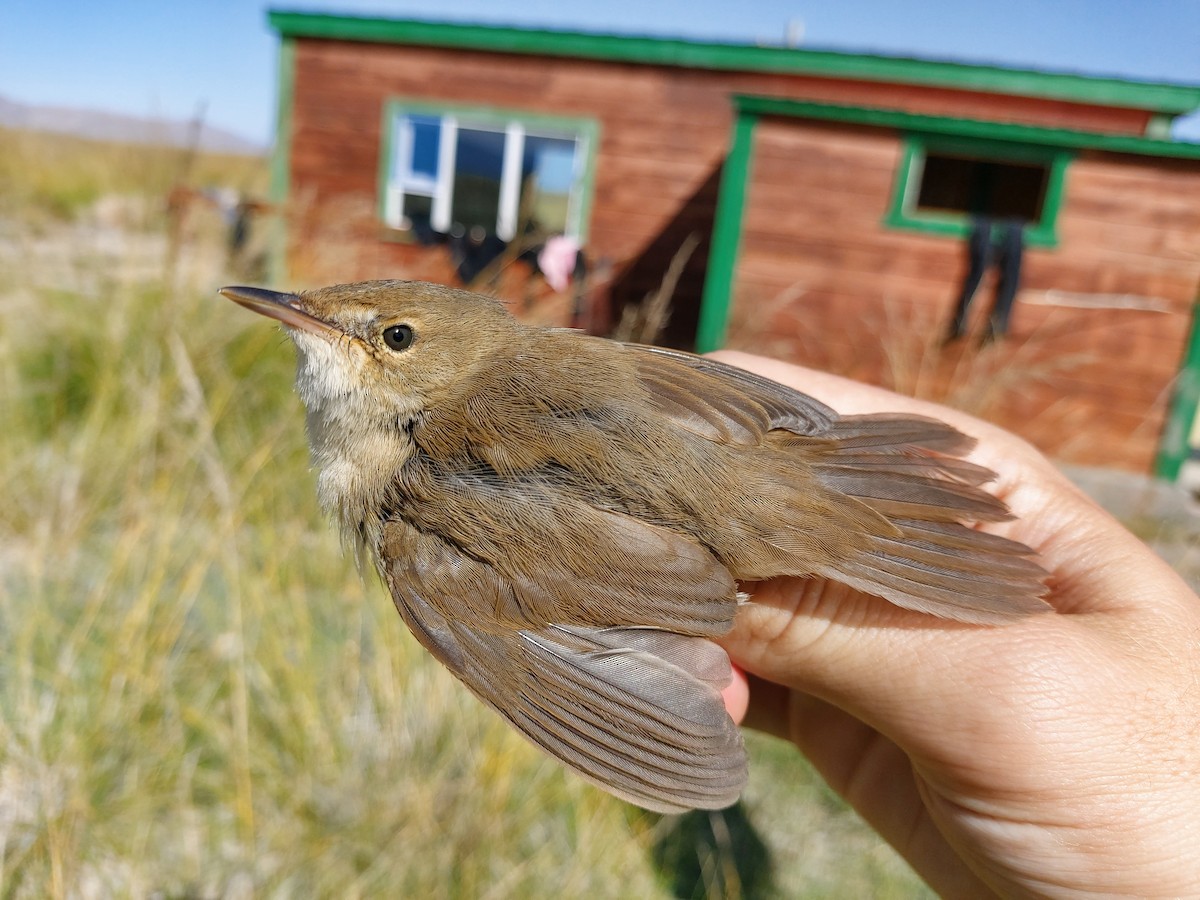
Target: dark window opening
[983,187]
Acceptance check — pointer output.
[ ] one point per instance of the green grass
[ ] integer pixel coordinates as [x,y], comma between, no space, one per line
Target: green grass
[199,694]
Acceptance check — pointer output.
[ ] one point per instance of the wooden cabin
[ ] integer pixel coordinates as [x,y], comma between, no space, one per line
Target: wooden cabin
[810,205]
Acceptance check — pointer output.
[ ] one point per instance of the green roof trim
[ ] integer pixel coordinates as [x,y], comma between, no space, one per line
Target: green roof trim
[981,129]
[1161,98]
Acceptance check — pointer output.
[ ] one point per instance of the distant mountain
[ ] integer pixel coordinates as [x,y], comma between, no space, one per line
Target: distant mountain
[108,126]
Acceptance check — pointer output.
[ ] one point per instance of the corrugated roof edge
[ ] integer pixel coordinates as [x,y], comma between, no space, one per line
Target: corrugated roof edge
[1158,97]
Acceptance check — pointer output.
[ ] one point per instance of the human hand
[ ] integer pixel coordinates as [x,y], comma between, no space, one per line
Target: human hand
[1056,756]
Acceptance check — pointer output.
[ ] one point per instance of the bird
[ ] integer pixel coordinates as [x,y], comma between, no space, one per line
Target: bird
[566,521]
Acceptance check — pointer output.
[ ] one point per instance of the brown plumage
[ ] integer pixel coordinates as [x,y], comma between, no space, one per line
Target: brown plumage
[562,520]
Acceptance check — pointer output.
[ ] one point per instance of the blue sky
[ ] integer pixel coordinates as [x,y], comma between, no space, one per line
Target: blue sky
[169,57]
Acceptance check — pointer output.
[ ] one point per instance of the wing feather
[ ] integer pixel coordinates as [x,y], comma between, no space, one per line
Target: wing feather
[635,710]
[533,553]
[723,402]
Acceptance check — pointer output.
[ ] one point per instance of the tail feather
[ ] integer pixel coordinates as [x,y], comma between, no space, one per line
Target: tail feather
[951,467]
[894,495]
[1003,560]
[956,537]
[894,432]
[931,561]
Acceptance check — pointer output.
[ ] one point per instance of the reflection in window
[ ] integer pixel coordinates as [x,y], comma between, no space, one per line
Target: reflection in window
[414,172]
[478,170]
[547,175]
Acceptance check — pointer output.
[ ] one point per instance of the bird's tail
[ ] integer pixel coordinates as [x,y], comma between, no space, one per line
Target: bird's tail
[907,469]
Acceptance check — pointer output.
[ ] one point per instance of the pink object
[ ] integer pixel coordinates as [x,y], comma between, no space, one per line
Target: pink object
[557,261]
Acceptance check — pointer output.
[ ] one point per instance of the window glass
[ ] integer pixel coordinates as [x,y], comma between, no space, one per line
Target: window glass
[508,177]
[547,176]
[418,213]
[478,166]
[426,134]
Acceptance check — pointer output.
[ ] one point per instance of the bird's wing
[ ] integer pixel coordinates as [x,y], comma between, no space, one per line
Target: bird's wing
[725,403]
[637,711]
[529,550]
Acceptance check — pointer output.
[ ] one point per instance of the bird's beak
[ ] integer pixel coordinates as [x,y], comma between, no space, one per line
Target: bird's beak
[280,306]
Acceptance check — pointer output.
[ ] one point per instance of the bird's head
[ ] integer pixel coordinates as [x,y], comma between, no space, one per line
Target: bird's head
[372,359]
[385,349]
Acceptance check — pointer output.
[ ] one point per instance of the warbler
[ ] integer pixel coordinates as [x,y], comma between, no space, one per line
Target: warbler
[563,520]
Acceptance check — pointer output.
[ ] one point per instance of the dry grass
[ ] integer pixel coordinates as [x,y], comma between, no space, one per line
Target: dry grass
[643,323]
[199,695]
[47,178]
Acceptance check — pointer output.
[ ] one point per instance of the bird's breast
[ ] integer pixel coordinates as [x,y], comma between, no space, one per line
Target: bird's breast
[359,461]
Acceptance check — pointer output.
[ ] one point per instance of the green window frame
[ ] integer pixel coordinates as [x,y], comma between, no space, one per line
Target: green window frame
[905,213]
[436,180]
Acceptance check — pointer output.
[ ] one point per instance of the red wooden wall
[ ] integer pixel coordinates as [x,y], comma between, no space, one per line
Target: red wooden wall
[1100,323]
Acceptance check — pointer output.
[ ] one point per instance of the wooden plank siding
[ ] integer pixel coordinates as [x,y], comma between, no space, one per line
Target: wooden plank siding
[1100,324]
[819,279]
[663,135]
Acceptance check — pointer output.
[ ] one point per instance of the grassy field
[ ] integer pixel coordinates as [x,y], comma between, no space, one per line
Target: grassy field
[199,695]
[56,177]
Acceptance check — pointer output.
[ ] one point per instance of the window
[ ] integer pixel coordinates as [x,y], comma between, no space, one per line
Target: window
[965,184]
[945,182]
[445,169]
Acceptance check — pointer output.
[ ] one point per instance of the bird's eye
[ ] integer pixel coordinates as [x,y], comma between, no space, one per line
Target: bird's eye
[398,337]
